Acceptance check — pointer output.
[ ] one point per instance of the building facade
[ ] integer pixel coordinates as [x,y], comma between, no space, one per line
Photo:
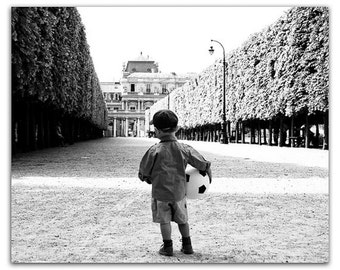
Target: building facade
[140,87]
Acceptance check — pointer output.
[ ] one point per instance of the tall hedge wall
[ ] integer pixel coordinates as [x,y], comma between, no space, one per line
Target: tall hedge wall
[51,63]
[283,70]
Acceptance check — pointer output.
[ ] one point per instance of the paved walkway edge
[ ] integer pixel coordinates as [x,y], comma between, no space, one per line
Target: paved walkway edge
[219,185]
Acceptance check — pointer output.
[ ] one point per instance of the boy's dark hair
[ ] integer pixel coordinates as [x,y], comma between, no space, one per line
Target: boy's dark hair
[165,120]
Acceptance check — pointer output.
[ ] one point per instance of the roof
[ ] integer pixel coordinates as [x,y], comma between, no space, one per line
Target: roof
[141,58]
[142,75]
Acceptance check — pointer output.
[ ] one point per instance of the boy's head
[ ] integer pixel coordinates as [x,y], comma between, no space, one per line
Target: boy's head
[165,121]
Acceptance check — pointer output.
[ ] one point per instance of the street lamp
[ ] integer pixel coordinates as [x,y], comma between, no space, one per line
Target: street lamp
[224,124]
[166,91]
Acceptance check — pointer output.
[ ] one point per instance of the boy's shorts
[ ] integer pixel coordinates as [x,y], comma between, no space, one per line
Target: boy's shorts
[164,212]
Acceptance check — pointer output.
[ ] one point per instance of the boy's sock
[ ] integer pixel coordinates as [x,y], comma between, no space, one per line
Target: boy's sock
[186,245]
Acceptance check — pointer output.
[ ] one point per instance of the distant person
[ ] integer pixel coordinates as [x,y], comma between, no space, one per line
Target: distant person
[60,137]
[163,166]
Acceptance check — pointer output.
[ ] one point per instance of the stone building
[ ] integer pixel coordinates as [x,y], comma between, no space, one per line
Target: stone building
[141,85]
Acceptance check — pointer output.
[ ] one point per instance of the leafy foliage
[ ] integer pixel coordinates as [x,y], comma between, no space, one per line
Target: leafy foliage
[282,70]
[51,62]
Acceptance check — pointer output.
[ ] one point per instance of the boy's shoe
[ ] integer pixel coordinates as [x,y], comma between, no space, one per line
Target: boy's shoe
[166,251]
[187,249]
[186,246]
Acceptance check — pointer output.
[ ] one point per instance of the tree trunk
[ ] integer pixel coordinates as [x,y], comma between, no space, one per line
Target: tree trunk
[228,132]
[41,128]
[252,134]
[325,140]
[281,143]
[237,132]
[24,130]
[243,134]
[259,132]
[291,132]
[270,133]
[317,135]
[307,132]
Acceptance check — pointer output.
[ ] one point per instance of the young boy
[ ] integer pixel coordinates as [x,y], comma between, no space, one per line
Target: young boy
[163,166]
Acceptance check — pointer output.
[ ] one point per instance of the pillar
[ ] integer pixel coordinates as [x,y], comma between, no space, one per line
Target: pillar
[138,126]
[126,127]
[114,127]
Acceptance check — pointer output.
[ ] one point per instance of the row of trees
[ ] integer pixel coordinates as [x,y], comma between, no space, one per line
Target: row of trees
[278,77]
[56,94]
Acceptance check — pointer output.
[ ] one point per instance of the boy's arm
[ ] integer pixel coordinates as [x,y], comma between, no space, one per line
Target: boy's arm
[145,166]
[199,162]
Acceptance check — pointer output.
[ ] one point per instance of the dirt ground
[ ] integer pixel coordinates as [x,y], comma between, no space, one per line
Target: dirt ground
[84,204]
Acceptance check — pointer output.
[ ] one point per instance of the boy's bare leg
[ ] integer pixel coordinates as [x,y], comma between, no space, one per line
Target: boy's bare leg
[166,231]
[166,248]
[184,229]
[186,240]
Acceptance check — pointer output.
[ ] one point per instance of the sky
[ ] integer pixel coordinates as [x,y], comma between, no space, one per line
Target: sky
[177,38]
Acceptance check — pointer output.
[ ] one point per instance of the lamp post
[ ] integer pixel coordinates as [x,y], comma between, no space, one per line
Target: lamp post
[224,124]
[168,93]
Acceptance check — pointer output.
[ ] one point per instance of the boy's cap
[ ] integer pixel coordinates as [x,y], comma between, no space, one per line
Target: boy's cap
[164,119]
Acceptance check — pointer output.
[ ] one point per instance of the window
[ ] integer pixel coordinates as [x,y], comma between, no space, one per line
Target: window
[132,108]
[164,90]
[132,87]
[115,108]
[148,88]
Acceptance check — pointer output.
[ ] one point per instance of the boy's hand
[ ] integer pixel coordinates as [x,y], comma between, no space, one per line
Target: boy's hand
[209,175]
[207,172]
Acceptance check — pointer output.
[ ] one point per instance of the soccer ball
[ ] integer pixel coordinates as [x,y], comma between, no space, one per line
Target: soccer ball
[196,184]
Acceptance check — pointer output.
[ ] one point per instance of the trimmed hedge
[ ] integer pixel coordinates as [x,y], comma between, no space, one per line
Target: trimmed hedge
[281,71]
[51,63]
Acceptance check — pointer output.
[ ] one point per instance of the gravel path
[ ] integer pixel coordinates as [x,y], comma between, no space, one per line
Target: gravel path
[120,157]
[84,204]
[220,185]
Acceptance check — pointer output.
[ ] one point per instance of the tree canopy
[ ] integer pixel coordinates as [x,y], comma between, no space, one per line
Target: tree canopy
[51,63]
[283,69]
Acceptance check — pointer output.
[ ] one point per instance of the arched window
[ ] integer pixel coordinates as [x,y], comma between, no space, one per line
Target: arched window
[164,90]
[148,88]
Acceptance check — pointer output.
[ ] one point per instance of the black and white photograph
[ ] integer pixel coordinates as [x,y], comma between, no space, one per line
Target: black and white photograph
[178,134]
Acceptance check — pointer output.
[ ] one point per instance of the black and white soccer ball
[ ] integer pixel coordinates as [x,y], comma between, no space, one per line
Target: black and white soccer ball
[197,184]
